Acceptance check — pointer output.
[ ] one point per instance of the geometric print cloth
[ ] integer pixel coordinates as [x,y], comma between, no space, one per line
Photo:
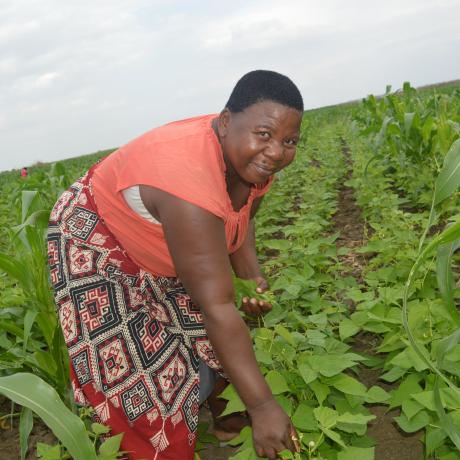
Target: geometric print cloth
[135,340]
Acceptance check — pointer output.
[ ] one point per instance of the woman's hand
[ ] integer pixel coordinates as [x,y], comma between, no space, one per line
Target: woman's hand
[272,430]
[254,306]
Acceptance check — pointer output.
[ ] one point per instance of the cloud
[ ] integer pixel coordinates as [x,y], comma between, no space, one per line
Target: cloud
[78,76]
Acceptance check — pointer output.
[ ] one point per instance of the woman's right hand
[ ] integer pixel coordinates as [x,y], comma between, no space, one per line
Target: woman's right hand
[272,430]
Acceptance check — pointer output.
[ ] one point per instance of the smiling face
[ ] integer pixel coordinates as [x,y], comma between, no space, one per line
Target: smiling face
[259,141]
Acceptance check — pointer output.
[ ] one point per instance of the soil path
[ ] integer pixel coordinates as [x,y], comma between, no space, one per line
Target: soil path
[391,443]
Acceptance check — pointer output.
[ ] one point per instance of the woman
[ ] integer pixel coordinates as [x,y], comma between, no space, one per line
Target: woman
[143,239]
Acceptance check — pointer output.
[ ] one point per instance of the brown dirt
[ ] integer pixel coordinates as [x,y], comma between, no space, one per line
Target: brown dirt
[391,443]
[9,434]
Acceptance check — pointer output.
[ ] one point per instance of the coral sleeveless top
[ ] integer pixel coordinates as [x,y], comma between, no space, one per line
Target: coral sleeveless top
[183,158]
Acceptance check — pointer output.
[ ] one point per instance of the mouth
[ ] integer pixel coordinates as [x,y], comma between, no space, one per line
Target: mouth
[264,170]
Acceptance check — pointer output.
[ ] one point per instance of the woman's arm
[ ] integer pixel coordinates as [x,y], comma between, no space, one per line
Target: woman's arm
[196,241]
[246,266]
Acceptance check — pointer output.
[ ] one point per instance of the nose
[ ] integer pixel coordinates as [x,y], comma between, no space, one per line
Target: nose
[275,151]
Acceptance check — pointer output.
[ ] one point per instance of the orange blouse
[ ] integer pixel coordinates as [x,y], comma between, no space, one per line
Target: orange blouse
[183,158]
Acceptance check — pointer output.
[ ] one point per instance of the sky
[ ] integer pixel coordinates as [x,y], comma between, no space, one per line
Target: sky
[81,76]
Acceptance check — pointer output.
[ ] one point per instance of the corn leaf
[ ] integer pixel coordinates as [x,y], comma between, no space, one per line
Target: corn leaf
[32,392]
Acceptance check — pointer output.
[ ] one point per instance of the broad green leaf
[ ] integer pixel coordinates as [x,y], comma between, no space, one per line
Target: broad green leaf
[447,423]
[448,179]
[356,453]
[32,392]
[47,452]
[334,436]
[234,402]
[410,408]
[395,373]
[304,419]
[26,423]
[263,357]
[376,394]
[408,121]
[445,277]
[434,438]
[285,403]
[29,200]
[276,382]
[281,245]
[407,359]
[417,422]
[98,428]
[283,332]
[406,389]
[110,447]
[348,385]
[244,439]
[325,416]
[354,423]
[321,391]
[347,328]
[307,373]
[29,319]
[330,364]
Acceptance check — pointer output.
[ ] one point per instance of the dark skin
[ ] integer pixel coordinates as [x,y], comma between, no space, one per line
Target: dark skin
[256,143]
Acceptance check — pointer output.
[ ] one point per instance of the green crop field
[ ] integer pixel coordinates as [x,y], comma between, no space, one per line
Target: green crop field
[359,239]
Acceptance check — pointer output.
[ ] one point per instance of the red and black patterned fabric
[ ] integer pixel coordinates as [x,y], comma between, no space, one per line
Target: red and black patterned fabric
[134,339]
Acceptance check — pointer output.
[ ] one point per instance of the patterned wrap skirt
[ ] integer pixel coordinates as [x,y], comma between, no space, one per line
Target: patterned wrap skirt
[135,340]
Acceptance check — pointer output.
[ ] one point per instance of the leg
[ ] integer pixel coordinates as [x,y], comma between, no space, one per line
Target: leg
[229,426]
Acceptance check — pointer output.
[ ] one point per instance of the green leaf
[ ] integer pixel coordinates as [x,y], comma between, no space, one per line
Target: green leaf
[376,394]
[348,385]
[330,364]
[419,421]
[410,408]
[447,423]
[281,245]
[407,359]
[357,453]
[263,357]
[234,402]
[304,419]
[334,436]
[276,382]
[434,438]
[321,391]
[26,423]
[110,447]
[307,373]
[347,328]
[406,389]
[448,179]
[47,452]
[354,423]
[283,332]
[32,392]
[98,428]
[326,416]
[285,403]
[29,319]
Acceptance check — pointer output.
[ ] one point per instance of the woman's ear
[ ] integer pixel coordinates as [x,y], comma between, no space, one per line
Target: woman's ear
[223,123]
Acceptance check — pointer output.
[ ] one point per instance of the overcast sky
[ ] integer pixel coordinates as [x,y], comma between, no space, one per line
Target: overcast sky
[80,76]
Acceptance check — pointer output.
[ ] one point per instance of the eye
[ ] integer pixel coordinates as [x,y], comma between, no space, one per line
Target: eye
[264,134]
[291,142]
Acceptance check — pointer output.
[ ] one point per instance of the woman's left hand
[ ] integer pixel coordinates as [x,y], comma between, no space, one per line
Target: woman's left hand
[253,305]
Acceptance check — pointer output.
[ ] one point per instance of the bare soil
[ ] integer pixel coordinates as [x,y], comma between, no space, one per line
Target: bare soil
[391,442]
[9,434]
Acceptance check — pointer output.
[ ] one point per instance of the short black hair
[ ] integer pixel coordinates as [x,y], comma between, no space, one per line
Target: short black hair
[264,85]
